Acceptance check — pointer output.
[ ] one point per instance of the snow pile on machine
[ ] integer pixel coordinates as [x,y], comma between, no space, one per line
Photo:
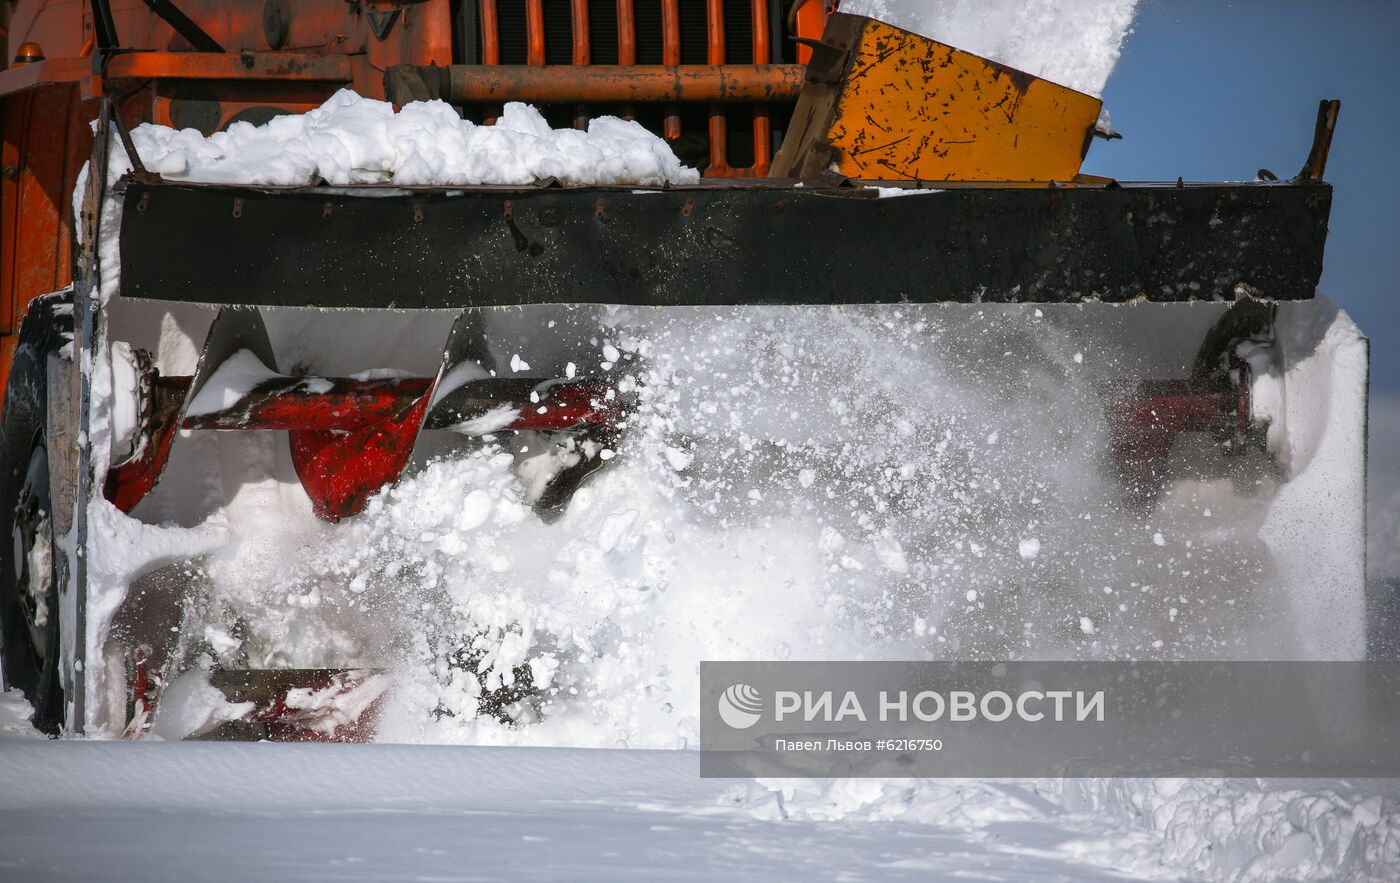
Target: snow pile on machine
[355,140]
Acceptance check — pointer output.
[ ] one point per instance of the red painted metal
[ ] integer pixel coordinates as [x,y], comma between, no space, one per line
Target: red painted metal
[571,405]
[1144,428]
[341,470]
[349,438]
[301,404]
[146,687]
[128,484]
[285,723]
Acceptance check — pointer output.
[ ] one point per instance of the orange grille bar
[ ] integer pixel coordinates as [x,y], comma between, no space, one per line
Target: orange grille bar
[671,54]
[490,44]
[719,125]
[579,18]
[582,55]
[626,43]
[534,23]
[490,33]
[762,124]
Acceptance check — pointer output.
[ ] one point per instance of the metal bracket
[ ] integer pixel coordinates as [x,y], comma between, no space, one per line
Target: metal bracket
[193,33]
[138,168]
[381,23]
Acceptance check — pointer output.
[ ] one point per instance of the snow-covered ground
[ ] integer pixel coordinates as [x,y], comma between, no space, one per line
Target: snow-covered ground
[203,811]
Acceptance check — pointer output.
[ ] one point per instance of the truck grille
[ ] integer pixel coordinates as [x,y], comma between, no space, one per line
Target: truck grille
[724,140]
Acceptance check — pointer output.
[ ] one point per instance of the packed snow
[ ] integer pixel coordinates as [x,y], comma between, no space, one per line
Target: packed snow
[324,812]
[355,140]
[1072,42]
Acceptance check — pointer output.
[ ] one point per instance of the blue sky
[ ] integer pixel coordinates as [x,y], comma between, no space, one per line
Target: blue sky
[1215,91]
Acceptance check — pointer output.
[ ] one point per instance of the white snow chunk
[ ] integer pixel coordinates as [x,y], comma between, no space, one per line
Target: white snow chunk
[476,508]
[191,706]
[221,641]
[494,420]
[1029,548]
[1086,625]
[230,383]
[891,192]
[679,460]
[340,704]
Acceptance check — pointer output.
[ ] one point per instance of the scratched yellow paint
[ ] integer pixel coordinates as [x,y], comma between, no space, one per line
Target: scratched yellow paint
[913,108]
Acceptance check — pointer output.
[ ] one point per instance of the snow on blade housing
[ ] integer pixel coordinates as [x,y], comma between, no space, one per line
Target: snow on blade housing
[357,394]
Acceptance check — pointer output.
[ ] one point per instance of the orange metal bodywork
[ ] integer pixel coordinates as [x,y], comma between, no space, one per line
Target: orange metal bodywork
[47,107]
[46,140]
[887,104]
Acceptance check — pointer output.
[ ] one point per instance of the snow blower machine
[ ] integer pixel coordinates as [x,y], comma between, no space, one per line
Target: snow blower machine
[160,331]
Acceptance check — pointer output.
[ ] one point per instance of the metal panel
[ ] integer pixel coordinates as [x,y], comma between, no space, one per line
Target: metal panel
[881,102]
[387,247]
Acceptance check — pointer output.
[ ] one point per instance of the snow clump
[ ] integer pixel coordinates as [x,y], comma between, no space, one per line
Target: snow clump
[356,140]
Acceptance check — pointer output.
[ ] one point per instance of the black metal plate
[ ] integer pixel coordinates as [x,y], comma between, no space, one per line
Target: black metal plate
[386,247]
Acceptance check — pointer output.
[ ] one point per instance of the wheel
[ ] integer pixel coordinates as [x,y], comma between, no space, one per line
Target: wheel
[29,618]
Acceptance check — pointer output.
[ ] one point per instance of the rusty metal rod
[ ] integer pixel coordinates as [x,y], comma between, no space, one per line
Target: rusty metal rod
[762,123]
[626,44]
[719,132]
[671,55]
[534,26]
[583,54]
[490,33]
[613,84]
[490,45]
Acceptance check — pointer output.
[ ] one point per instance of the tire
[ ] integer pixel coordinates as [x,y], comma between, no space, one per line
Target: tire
[29,617]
